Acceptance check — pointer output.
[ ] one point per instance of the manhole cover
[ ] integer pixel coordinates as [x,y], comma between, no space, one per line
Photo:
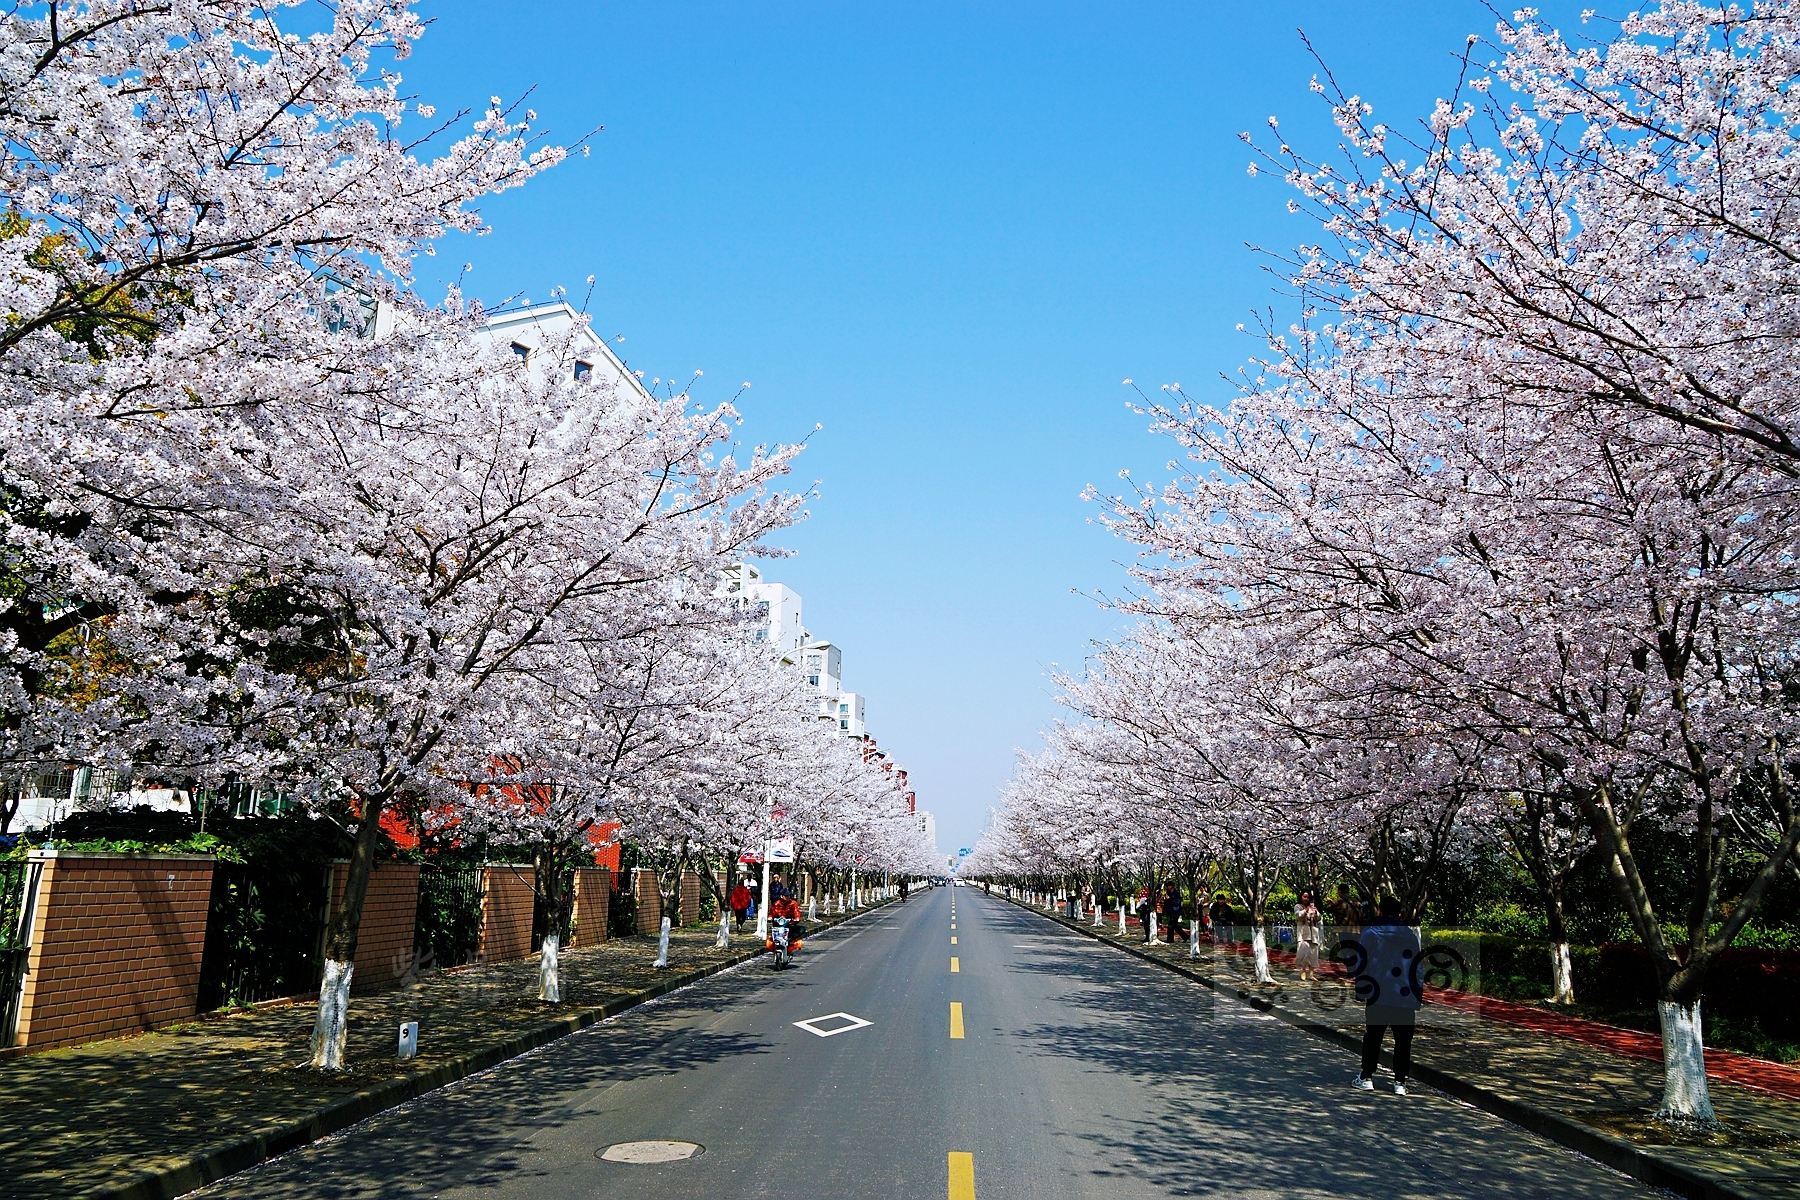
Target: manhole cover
[650,1152]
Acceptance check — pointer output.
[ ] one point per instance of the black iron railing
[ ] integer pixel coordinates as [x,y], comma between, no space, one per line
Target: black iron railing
[263,932]
[18,897]
[447,932]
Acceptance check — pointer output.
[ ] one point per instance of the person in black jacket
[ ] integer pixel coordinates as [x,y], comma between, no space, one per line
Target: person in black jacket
[1386,968]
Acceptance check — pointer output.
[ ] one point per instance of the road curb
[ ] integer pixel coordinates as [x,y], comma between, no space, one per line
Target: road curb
[1615,1152]
[179,1176]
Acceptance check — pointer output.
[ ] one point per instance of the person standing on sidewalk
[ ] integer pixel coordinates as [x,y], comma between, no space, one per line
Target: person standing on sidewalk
[1221,920]
[1144,907]
[1172,910]
[1308,937]
[1388,985]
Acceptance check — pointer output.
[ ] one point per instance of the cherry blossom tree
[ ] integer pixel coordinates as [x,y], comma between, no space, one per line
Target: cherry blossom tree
[1497,534]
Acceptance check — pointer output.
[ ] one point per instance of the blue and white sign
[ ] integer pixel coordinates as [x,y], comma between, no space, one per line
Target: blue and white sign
[964,852]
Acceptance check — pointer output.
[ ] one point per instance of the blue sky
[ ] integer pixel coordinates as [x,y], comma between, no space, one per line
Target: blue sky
[946,232]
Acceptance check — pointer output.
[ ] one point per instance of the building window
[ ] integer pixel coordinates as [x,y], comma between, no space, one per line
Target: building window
[583,370]
[843,725]
[523,352]
[813,679]
[843,708]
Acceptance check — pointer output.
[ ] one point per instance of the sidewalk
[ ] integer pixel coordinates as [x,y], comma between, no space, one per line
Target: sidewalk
[1572,1081]
[162,1113]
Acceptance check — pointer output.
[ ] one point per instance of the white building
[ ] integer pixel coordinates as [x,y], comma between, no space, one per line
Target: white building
[928,826]
[776,607]
[823,665]
[554,337]
[847,710]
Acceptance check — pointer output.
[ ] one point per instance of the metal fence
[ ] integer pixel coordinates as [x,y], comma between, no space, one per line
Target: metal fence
[18,899]
[264,930]
[447,932]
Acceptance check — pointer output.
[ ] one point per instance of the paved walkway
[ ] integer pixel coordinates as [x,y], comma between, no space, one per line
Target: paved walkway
[1596,1079]
[82,1120]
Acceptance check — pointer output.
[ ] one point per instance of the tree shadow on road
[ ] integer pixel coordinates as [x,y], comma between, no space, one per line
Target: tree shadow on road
[1225,1090]
[480,1129]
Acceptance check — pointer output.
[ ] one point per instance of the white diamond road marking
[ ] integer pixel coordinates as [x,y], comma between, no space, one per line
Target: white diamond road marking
[811,1024]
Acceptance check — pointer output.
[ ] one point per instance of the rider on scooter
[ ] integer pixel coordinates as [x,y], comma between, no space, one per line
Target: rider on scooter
[787,906]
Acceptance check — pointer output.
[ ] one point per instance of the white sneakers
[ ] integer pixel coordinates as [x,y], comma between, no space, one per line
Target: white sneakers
[1368,1085]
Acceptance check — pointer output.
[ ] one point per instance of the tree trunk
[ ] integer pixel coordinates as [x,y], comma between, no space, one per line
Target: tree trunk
[334,1011]
[552,882]
[1685,1099]
[1259,947]
[327,1040]
[549,969]
[1562,974]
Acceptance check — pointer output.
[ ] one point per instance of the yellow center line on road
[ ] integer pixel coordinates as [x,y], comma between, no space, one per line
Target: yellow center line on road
[955,965]
[956,1019]
[962,1176]
[953,941]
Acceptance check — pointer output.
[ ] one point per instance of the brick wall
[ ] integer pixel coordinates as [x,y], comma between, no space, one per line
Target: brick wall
[384,940]
[115,946]
[649,900]
[689,901]
[593,900]
[506,901]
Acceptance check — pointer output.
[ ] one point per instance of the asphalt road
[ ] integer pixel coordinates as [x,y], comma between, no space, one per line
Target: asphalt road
[1081,1072]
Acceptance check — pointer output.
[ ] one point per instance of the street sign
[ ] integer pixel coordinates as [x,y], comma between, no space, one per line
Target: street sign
[964,852]
[749,856]
[781,850]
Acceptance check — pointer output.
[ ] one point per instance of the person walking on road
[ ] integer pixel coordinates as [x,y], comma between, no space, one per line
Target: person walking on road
[1309,935]
[1144,907]
[1387,982]
[741,902]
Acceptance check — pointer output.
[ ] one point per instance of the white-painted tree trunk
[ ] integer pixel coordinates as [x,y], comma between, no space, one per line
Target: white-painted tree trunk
[1685,1099]
[1562,975]
[1121,920]
[1153,940]
[1259,946]
[662,945]
[724,942]
[812,909]
[549,974]
[1099,917]
[334,1010]
[1194,939]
